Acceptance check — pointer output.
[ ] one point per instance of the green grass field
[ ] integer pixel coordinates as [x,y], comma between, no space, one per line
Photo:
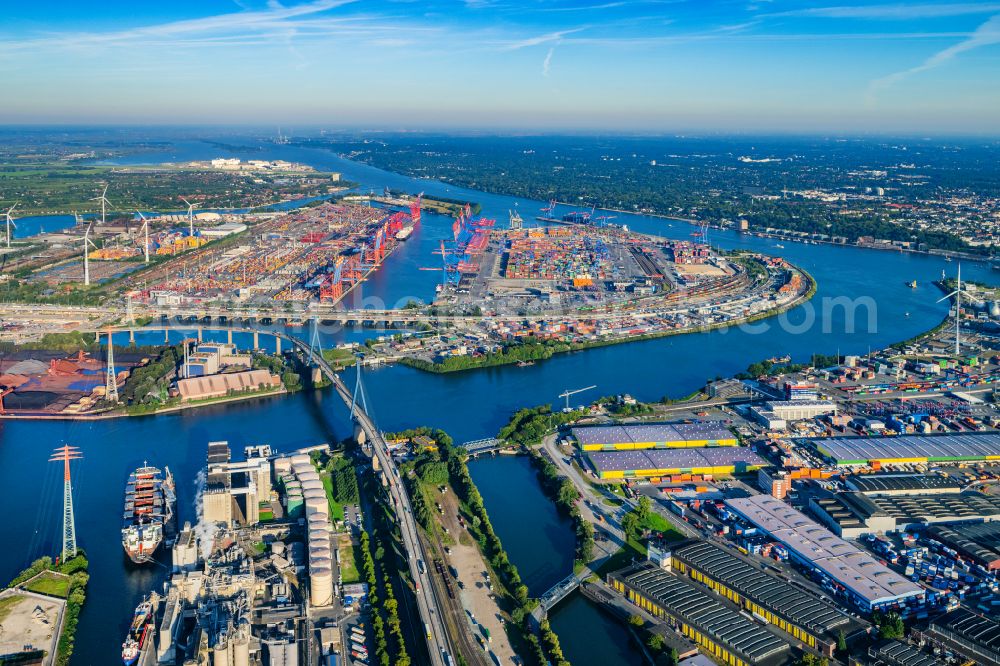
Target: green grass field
[51,584]
[348,564]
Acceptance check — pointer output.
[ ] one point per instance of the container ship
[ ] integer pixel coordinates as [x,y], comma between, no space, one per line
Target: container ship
[138,633]
[572,217]
[149,510]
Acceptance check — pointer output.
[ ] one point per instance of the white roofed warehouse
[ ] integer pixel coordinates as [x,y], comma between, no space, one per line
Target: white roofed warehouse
[843,568]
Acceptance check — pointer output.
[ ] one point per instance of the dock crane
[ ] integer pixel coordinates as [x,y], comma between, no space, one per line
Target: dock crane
[567,393]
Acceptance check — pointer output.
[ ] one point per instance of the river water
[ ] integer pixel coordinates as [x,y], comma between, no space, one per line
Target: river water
[468,405]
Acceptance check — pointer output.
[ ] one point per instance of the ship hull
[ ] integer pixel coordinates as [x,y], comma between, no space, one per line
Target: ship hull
[148,513]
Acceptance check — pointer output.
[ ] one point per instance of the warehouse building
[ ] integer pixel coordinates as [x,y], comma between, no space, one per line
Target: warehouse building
[980,542]
[963,447]
[898,653]
[849,515]
[946,508]
[841,566]
[902,484]
[217,386]
[722,632]
[653,436]
[974,636]
[796,410]
[653,463]
[813,622]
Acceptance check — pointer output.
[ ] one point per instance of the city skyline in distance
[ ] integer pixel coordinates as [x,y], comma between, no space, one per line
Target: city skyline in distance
[645,65]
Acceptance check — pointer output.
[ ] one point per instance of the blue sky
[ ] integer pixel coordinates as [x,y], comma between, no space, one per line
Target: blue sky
[662,65]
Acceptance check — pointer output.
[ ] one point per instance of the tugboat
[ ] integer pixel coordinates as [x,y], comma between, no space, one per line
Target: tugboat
[138,633]
[148,512]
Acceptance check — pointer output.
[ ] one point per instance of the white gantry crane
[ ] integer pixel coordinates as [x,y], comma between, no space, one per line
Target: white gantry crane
[567,393]
[104,204]
[10,223]
[145,231]
[190,217]
[957,295]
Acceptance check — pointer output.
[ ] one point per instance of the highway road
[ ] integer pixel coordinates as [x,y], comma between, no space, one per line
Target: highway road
[438,645]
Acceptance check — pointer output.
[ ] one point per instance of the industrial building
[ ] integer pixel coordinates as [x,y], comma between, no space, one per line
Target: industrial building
[217,386]
[853,514]
[980,542]
[776,483]
[898,653]
[235,490]
[841,566]
[776,414]
[208,358]
[721,631]
[961,447]
[655,436]
[976,637]
[812,621]
[319,529]
[849,515]
[902,484]
[654,463]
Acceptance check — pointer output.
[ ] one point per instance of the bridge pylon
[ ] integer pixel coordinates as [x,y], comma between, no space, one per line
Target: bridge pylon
[315,347]
[359,391]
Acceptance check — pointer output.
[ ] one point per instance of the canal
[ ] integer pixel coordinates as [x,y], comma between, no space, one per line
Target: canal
[468,405]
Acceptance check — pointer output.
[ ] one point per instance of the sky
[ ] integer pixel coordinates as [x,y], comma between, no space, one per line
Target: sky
[746,66]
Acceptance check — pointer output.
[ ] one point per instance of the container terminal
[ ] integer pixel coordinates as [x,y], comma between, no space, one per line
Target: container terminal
[315,254]
[504,270]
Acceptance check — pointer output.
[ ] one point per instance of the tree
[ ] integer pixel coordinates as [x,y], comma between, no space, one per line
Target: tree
[841,642]
[655,642]
[809,659]
[891,626]
[568,494]
[630,523]
[642,509]
[636,620]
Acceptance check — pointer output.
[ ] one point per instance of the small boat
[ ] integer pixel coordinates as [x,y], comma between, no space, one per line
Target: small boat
[780,359]
[525,364]
[947,258]
[912,284]
[779,245]
[138,633]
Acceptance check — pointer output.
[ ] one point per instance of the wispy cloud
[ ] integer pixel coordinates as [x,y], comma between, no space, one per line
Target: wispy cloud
[900,11]
[986,34]
[541,39]
[273,21]
[547,63]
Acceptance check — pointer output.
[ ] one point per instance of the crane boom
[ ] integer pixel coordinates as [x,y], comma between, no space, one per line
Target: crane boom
[567,393]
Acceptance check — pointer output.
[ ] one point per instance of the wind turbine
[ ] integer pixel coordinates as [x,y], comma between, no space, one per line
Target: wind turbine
[86,254]
[190,217]
[10,223]
[145,231]
[958,293]
[104,203]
